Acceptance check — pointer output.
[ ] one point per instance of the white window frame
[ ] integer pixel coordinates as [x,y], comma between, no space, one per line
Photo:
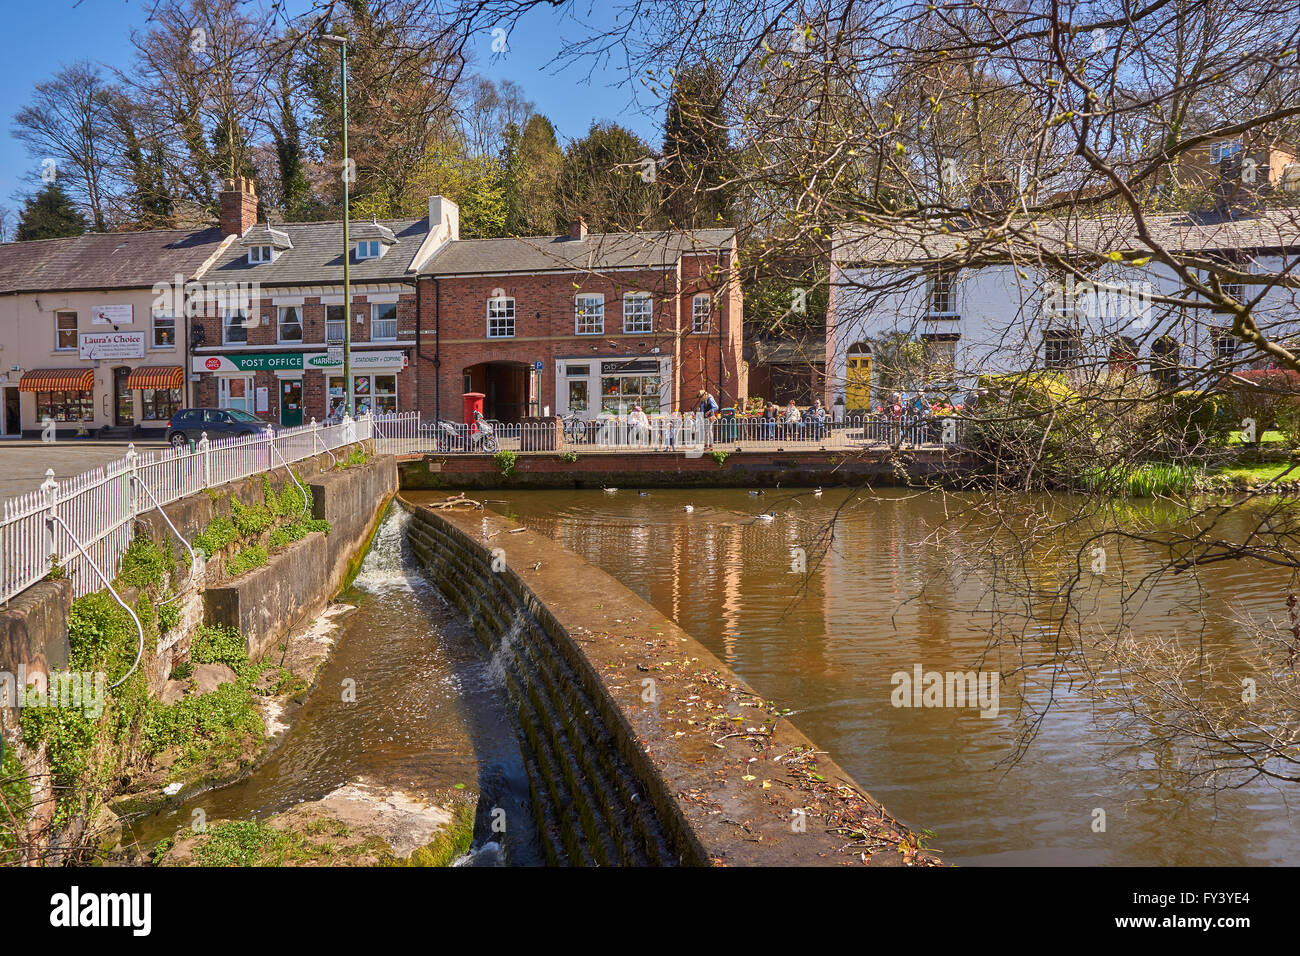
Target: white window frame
[341,324]
[501,317]
[58,314]
[250,392]
[1225,343]
[637,321]
[369,249]
[1223,150]
[941,284]
[260,254]
[589,309]
[707,324]
[225,326]
[280,323]
[153,333]
[374,321]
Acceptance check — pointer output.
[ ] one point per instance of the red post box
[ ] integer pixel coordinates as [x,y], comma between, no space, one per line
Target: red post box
[473,403]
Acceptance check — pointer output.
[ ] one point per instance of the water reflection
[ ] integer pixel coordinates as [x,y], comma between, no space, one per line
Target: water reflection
[888,594]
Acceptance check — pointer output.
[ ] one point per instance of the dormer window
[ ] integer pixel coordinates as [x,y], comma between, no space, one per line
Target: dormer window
[258,254]
[370,249]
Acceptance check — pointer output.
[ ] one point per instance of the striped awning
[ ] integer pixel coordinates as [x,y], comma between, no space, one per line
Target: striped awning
[156,376]
[57,380]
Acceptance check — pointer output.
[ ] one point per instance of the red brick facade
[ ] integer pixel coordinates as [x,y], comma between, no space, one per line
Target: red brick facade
[454,338]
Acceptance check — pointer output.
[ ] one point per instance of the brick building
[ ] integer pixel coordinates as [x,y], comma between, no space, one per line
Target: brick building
[587,323]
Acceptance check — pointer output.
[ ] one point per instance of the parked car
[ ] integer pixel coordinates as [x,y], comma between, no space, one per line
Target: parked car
[189,424]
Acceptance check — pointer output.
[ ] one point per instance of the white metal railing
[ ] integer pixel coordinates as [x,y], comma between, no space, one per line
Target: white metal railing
[87,520]
[405,433]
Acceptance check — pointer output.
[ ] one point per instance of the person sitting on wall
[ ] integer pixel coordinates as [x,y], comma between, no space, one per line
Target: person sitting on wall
[817,419]
[793,421]
[770,416]
[638,426]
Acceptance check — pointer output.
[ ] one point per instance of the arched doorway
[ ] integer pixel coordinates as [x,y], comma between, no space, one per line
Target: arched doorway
[857,379]
[509,388]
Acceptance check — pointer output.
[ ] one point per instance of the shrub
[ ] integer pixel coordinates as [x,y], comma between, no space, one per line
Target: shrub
[1267,395]
[250,520]
[1031,428]
[143,564]
[505,461]
[219,533]
[251,557]
[218,644]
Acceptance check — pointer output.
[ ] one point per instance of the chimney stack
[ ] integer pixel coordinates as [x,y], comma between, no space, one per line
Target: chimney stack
[238,206]
[578,228]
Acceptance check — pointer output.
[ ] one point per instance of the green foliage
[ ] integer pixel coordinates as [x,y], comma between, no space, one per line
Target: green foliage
[570,456]
[506,461]
[601,180]
[719,457]
[1269,396]
[50,214]
[1143,480]
[68,736]
[445,848]
[143,564]
[101,634]
[209,728]
[57,571]
[250,520]
[183,671]
[218,644]
[219,533]
[254,556]
[1197,421]
[15,802]
[242,843]
[169,615]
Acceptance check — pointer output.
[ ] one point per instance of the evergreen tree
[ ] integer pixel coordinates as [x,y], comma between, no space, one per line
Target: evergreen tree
[50,214]
[609,177]
[698,167]
[532,162]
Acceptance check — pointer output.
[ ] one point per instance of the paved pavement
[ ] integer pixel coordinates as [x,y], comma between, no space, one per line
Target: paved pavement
[23,463]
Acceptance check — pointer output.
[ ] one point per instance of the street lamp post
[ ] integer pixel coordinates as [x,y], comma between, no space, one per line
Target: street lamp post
[334,39]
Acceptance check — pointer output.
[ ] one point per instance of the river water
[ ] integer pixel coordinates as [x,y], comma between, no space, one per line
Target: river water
[429,714]
[888,596]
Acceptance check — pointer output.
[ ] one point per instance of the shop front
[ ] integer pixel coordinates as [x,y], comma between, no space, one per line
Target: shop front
[595,386]
[295,387]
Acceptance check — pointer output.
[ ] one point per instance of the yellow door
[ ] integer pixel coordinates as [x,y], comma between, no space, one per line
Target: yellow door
[858,390]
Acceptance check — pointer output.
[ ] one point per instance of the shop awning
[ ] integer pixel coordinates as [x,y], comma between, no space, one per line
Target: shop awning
[57,380]
[156,376]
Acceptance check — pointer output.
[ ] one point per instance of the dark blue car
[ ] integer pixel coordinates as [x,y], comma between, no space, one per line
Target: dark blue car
[189,424]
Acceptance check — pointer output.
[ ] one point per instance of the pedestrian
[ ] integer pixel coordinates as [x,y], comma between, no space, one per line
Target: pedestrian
[706,409]
[638,426]
[793,420]
[770,416]
[817,417]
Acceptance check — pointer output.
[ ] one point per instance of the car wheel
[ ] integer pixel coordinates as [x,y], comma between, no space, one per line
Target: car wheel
[179,440]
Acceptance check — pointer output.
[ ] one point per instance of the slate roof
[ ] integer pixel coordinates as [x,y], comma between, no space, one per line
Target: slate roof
[104,260]
[598,251]
[317,255]
[893,243]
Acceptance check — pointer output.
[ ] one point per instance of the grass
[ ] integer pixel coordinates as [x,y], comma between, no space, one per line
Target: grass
[1270,437]
[1142,480]
[1259,473]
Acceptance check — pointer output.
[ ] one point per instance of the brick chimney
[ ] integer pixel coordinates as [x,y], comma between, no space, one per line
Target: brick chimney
[578,228]
[238,206]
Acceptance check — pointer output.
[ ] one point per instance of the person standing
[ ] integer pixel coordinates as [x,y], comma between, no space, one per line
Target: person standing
[706,410]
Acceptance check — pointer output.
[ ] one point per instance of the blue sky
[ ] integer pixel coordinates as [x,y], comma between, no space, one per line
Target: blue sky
[56,32]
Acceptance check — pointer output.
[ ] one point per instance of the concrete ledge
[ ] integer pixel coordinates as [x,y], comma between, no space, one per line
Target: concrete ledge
[663,470]
[619,706]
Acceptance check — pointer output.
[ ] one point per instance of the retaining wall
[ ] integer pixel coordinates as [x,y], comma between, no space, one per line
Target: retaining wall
[664,470]
[641,746]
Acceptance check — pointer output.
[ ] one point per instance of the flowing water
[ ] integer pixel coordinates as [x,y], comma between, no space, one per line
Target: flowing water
[429,714]
[888,596]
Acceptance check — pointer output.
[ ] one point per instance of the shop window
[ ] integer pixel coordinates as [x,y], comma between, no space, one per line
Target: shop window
[370,393]
[624,384]
[236,393]
[66,406]
[160,404]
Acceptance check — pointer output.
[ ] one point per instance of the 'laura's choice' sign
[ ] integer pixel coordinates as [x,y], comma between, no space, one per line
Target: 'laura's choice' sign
[111,345]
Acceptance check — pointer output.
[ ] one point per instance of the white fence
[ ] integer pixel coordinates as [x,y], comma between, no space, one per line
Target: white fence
[89,517]
[405,433]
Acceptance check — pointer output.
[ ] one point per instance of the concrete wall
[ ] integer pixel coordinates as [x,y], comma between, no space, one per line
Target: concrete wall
[791,469]
[641,746]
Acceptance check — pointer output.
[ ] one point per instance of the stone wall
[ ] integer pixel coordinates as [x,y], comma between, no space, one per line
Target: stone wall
[641,746]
